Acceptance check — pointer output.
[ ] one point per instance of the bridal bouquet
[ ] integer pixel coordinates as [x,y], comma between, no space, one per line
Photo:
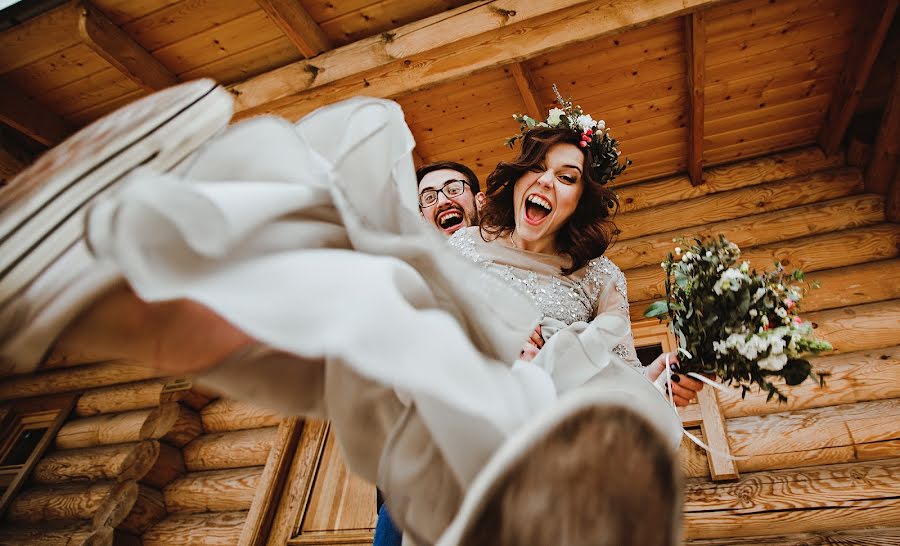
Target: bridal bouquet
[734,322]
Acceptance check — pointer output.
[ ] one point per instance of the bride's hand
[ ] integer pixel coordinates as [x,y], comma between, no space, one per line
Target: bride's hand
[684,388]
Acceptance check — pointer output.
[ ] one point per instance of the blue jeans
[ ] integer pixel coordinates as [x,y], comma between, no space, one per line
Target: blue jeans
[386,533]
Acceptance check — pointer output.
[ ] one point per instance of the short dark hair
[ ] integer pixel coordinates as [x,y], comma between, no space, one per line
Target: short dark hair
[453,166]
[588,232]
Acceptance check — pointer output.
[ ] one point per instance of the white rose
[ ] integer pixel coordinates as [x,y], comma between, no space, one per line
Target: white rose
[753,312]
[601,125]
[773,363]
[585,121]
[677,250]
[780,311]
[554,116]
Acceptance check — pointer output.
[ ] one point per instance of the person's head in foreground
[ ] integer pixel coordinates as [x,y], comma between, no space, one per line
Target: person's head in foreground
[552,198]
[450,196]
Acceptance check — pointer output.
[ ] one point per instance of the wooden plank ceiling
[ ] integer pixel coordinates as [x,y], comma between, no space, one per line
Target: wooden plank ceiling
[684,85]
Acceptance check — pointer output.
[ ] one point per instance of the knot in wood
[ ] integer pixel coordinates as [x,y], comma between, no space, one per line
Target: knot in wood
[746,492]
[388,37]
[312,69]
[505,13]
[858,473]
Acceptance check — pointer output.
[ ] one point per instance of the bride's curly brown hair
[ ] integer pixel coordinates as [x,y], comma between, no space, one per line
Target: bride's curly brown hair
[587,233]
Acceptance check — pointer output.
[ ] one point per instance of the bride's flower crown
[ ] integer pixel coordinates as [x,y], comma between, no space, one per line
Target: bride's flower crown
[605,164]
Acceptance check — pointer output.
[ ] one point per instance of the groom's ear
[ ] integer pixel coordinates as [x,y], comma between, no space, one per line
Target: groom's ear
[480,198]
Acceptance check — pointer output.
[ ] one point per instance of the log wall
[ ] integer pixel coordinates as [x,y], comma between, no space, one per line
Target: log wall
[824,462]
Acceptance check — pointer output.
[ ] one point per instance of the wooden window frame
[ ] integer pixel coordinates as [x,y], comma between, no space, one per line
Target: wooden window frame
[20,415]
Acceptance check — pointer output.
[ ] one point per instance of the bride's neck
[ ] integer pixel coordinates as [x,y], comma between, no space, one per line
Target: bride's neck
[542,246]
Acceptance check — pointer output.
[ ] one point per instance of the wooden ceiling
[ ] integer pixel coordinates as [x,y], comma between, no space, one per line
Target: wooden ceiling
[684,84]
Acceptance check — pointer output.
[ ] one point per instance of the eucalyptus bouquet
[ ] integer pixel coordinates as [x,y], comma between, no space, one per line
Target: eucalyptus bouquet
[739,324]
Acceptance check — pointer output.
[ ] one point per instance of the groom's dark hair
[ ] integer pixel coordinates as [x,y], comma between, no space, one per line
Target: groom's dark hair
[471,179]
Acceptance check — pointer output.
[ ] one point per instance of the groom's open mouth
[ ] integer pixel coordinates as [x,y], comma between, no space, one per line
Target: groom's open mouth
[450,219]
[537,208]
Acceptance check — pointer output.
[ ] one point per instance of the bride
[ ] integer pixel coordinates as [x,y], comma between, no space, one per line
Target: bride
[289,266]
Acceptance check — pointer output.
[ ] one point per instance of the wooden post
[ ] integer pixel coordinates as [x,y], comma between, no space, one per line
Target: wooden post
[271,483]
[871,30]
[721,467]
[695,50]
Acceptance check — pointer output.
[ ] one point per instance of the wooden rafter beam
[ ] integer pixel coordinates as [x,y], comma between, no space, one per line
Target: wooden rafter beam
[417,159]
[295,22]
[120,50]
[526,89]
[444,47]
[871,30]
[31,118]
[695,49]
[38,37]
[881,174]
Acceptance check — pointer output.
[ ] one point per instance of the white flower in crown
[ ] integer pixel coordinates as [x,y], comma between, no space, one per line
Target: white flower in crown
[555,116]
[585,122]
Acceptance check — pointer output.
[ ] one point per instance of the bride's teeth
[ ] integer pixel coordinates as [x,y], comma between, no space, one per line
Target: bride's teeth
[539,201]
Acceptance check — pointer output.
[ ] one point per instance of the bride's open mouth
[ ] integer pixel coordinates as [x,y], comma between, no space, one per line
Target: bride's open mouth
[537,208]
[450,219]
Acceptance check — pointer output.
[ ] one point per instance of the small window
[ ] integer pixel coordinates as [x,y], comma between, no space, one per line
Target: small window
[648,353]
[26,429]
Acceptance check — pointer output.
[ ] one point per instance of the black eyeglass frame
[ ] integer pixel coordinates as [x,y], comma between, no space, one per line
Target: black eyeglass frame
[465,184]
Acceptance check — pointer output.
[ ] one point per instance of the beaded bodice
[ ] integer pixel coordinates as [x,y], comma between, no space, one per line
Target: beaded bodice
[566,298]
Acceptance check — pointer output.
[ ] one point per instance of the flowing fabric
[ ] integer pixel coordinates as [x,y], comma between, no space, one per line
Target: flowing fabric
[308,238]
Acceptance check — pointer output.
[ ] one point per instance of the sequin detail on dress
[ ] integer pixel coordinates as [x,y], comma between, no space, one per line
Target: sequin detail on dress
[564,300]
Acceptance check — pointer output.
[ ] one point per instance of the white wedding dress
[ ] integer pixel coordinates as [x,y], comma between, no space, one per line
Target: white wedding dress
[308,238]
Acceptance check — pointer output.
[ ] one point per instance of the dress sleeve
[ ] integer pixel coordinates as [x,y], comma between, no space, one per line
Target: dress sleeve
[610,293]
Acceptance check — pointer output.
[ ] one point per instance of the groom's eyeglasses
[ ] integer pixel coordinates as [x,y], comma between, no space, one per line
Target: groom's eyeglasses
[452,188]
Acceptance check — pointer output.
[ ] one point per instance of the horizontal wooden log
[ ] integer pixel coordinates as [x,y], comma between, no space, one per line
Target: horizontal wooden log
[849,537]
[70,502]
[834,497]
[810,437]
[811,254]
[119,398]
[420,54]
[803,489]
[739,203]
[772,168]
[236,449]
[213,491]
[859,515]
[119,462]
[80,533]
[174,424]
[859,328]
[118,428]
[169,466]
[782,225]
[225,415]
[192,529]
[148,510]
[852,377]
[73,379]
[840,287]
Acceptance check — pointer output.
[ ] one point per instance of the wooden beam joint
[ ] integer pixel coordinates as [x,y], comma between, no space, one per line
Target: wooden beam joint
[527,90]
[301,29]
[120,50]
[871,31]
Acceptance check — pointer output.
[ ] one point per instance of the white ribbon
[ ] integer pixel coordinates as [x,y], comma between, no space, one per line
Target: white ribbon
[666,387]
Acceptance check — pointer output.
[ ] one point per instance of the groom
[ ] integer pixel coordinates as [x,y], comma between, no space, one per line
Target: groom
[450,197]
